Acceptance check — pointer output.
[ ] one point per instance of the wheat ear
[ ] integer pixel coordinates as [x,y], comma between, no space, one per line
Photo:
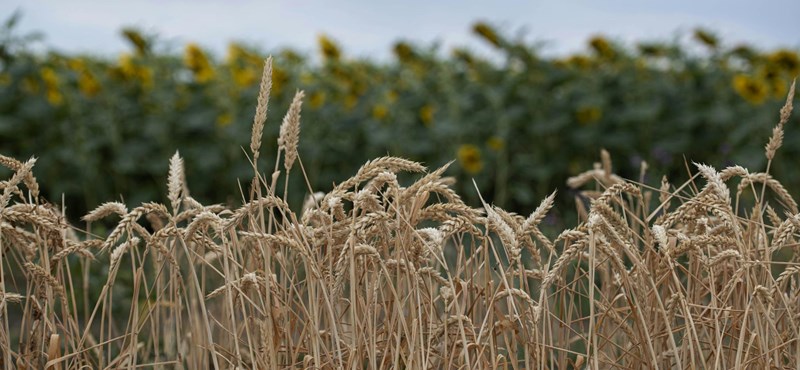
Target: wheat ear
[290,131]
[261,108]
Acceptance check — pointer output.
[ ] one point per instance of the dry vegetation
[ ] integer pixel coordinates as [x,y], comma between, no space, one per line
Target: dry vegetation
[377,274]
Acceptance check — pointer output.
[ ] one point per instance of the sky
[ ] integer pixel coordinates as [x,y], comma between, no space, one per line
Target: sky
[368,28]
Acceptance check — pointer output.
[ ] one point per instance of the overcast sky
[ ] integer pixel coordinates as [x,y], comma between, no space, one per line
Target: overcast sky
[367,28]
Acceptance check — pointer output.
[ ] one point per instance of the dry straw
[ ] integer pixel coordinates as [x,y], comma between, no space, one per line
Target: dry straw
[385,273]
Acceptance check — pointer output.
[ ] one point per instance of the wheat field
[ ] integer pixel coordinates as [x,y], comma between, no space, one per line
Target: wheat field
[379,272]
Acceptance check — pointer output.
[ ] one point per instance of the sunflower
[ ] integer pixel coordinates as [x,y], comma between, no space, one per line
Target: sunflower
[706,38]
[137,40]
[470,158]
[751,89]
[30,85]
[404,52]
[127,67]
[652,49]
[350,101]
[76,64]
[391,96]
[744,52]
[291,57]
[328,48]
[579,61]
[244,77]
[588,114]
[145,75]
[196,60]
[236,53]
[280,78]
[88,84]
[379,112]
[495,143]
[317,99]
[51,82]
[426,114]
[602,47]
[487,33]
[464,56]
[786,60]
[772,76]
[224,119]
[245,66]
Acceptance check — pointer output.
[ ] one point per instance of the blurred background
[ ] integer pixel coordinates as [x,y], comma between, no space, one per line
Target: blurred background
[521,95]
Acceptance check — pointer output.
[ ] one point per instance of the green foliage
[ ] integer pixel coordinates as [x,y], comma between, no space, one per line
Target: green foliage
[517,122]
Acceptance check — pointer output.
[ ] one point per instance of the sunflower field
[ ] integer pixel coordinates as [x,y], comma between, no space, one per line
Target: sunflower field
[516,122]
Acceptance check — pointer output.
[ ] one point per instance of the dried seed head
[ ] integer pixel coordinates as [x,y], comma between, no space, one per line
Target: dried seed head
[20,175]
[775,141]
[763,293]
[447,294]
[786,111]
[715,181]
[175,182]
[506,234]
[660,235]
[16,165]
[312,202]
[290,131]
[105,210]
[541,211]
[117,253]
[721,256]
[43,276]
[261,108]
